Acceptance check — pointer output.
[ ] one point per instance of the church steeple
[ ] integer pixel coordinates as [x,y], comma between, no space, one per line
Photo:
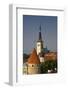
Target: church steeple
[39,42]
[40,35]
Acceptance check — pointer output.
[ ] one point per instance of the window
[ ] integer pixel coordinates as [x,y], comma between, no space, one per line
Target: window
[32,65]
[38,45]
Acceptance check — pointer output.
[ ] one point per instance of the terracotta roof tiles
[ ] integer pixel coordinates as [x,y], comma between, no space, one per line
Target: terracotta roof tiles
[33,59]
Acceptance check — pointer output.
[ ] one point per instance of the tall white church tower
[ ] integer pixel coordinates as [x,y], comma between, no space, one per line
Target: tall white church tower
[39,45]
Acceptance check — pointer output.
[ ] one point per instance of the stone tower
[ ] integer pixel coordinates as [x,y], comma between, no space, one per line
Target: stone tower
[33,63]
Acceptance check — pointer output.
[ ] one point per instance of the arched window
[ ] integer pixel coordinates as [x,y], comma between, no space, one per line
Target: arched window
[32,65]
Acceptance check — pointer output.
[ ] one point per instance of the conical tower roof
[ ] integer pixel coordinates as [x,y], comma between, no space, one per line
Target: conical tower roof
[33,59]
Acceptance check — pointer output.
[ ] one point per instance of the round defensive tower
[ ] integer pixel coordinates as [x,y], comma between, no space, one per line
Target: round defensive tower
[33,63]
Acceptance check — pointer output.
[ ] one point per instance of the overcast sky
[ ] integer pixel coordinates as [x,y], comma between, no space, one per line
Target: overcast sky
[31,26]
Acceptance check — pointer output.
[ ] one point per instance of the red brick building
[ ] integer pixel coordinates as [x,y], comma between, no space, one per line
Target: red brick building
[50,56]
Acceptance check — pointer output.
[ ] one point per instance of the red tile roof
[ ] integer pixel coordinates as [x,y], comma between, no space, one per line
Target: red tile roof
[33,59]
[51,56]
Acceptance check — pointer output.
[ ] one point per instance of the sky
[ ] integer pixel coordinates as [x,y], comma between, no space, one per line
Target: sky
[31,30]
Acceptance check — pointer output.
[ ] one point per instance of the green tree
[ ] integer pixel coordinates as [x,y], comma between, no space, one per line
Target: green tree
[48,65]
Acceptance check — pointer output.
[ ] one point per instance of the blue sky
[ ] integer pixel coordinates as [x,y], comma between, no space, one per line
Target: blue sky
[31,26]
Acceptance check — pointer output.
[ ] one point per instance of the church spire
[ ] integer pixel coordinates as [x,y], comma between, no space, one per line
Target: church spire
[40,35]
[39,42]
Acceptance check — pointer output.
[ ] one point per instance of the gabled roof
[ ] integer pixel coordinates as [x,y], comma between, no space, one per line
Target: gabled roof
[33,59]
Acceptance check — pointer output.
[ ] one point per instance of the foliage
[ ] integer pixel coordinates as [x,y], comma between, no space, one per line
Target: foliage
[48,65]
